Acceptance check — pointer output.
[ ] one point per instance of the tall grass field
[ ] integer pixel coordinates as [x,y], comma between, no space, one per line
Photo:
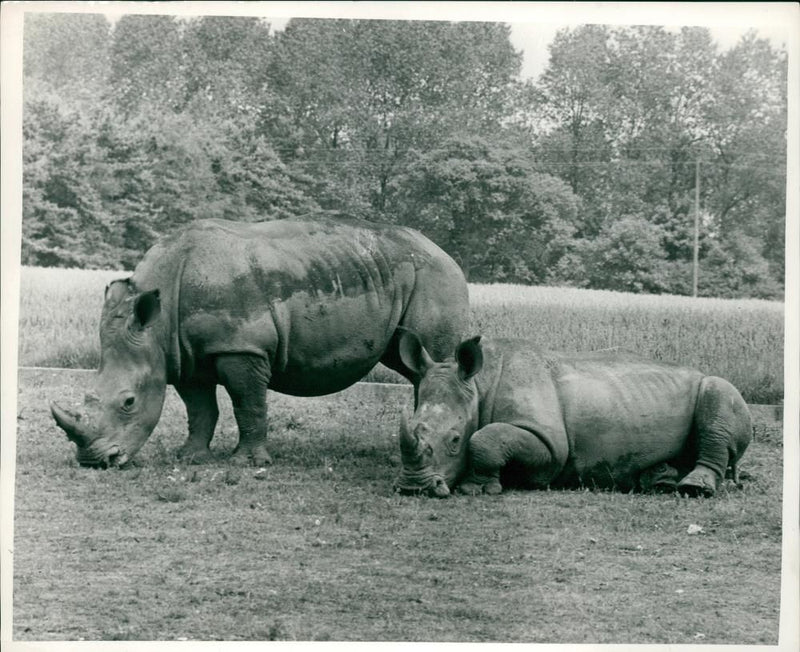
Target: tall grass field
[740,340]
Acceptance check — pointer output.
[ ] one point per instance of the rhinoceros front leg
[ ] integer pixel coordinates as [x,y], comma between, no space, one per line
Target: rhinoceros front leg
[246,378]
[496,445]
[724,430]
[202,412]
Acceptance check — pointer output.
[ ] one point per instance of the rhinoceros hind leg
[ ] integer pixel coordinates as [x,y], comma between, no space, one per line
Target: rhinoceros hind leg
[202,413]
[701,481]
[723,429]
[246,378]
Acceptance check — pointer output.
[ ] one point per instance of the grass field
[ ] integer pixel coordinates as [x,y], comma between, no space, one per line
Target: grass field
[740,340]
[322,549]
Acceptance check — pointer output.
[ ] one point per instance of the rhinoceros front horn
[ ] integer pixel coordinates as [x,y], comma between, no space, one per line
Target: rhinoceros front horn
[408,440]
[70,423]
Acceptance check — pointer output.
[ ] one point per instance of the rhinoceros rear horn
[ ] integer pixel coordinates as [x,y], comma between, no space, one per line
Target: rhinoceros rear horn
[71,424]
[117,290]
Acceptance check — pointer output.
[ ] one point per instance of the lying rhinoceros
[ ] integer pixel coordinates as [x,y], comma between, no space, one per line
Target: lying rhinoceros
[607,419]
[303,306]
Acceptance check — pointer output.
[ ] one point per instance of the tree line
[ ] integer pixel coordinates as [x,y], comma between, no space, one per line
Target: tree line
[584,177]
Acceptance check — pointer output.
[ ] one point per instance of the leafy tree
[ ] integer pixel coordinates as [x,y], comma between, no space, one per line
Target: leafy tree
[160,176]
[147,65]
[586,177]
[67,52]
[62,222]
[487,206]
[257,184]
[747,123]
[173,143]
[352,99]
[573,94]
[626,256]
[630,110]
[225,62]
[736,268]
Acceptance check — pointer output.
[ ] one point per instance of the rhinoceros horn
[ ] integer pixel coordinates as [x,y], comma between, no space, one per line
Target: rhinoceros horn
[70,423]
[409,442]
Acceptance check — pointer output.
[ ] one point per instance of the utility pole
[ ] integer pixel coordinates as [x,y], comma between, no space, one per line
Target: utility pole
[695,256]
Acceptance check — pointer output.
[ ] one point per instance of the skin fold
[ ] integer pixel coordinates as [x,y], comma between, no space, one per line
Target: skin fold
[504,409]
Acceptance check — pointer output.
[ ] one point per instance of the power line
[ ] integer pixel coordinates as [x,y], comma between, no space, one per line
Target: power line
[771,169]
[365,155]
[344,150]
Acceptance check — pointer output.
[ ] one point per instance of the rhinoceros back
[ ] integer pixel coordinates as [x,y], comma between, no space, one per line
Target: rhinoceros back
[321,298]
[622,413]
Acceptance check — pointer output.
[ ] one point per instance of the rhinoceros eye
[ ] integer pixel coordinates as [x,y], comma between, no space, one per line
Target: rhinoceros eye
[127,404]
[454,442]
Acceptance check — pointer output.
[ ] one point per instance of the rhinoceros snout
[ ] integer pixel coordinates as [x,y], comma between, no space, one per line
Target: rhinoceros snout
[93,450]
[439,489]
[100,455]
[118,459]
[436,488]
[112,457]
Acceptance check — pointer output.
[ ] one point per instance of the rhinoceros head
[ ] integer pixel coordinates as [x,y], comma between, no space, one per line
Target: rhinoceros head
[129,388]
[434,442]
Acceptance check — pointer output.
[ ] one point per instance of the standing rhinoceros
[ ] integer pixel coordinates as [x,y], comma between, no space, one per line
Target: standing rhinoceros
[303,306]
[607,419]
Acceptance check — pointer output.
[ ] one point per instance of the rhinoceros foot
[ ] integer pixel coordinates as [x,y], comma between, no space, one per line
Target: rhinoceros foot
[194,454]
[475,485]
[702,481]
[254,456]
[661,478]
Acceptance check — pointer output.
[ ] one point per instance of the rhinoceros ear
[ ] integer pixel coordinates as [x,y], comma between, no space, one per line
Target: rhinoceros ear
[146,308]
[469,356]
[413,353]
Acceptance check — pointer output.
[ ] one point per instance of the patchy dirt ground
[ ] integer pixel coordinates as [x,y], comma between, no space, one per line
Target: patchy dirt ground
[320,548]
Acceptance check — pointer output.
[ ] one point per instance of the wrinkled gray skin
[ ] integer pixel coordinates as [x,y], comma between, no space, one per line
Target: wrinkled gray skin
[504,410]
[304,307]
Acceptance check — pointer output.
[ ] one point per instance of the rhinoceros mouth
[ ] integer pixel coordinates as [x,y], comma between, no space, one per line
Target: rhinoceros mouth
[414,485]
[102,455]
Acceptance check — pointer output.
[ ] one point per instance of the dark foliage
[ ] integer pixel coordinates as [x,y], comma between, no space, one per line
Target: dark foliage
[585,177]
